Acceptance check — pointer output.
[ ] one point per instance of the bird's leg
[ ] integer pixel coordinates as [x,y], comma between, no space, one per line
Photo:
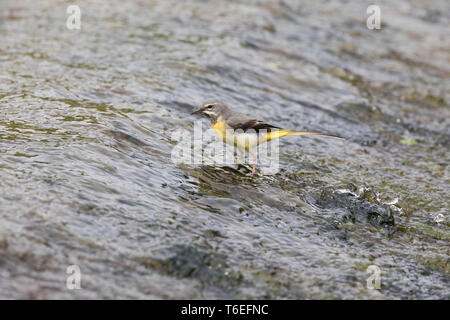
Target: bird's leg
[254,163]
[239,156]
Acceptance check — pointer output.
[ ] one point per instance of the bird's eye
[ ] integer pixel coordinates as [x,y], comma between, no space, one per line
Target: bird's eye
[209,106]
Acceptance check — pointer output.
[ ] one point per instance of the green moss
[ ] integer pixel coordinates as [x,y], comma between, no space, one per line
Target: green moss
[435,263]
[435,100]
[20,154]
[408,142]
[433,232]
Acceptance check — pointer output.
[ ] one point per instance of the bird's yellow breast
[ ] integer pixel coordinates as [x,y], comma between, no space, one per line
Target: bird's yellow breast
[220,129]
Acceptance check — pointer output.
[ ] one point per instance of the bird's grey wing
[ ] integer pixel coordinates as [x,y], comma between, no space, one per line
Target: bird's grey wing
[245,124]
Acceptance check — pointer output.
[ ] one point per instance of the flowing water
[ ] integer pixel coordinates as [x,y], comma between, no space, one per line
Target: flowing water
[86,135]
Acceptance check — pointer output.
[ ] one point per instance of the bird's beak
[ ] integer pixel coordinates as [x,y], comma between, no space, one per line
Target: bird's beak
[197,111]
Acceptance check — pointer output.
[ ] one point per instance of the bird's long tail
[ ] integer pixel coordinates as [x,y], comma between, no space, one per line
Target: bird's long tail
[281,133]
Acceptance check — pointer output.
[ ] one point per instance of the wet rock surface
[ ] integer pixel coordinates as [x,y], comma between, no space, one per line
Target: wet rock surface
[86,136]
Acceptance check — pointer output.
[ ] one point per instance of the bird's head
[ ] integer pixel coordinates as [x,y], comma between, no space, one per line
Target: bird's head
[211,109]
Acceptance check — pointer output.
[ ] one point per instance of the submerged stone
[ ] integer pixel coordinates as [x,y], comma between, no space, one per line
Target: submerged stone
[360,110]
[361,205]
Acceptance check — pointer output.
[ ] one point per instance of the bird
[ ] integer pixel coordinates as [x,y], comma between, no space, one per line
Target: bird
[245,133]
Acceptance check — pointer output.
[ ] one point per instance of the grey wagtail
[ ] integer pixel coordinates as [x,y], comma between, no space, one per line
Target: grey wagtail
[243,132]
